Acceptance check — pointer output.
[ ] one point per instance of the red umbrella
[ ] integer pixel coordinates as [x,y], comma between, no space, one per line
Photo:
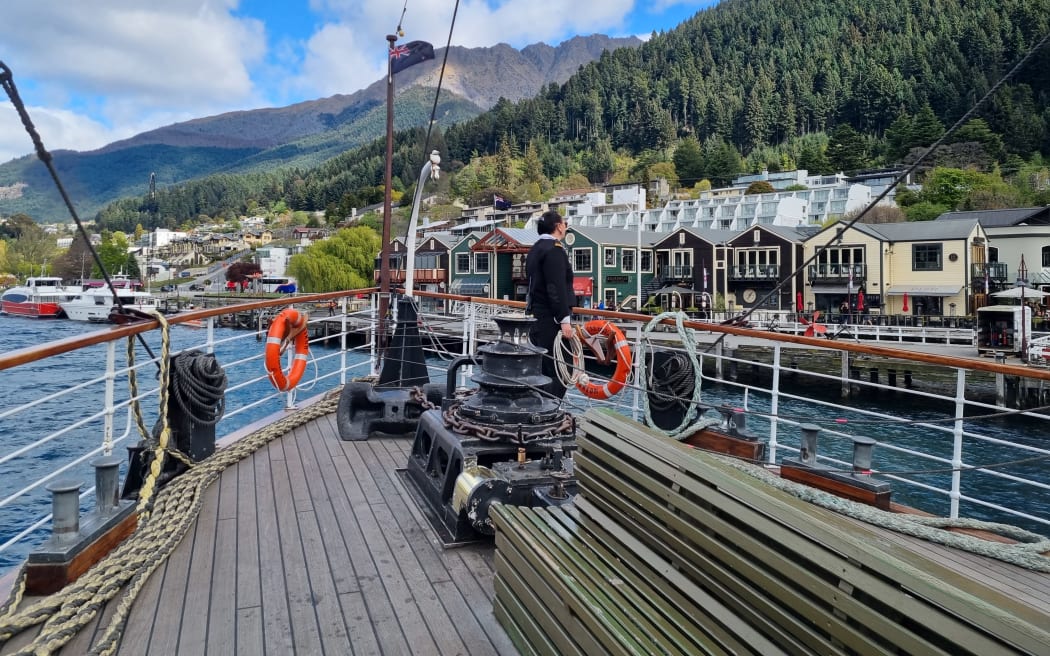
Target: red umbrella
[905,307]
[860,301]
[798,301]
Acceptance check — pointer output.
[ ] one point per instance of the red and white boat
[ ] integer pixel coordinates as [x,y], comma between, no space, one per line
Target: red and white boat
[39,297]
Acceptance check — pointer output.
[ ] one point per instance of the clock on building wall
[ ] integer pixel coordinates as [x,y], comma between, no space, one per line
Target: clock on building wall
[749,296]
[570,239]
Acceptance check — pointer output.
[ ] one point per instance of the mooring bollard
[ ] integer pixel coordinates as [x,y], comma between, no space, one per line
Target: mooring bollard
[107,484]
[862,454]
[65,508]
[891,377]
[808,452]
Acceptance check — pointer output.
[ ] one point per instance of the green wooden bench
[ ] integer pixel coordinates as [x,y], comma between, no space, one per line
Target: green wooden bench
[669,550]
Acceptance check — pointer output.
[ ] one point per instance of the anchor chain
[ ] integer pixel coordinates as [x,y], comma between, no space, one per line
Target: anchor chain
[519,434]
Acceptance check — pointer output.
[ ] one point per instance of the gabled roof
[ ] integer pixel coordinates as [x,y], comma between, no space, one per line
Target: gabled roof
[446,238]
[910,230]
[1002,218]
[617,236]
[785,232]
[926,230]
[713,236]
[507,239]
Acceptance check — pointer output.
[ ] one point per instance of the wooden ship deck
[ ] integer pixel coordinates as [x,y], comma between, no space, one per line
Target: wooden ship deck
[311,546]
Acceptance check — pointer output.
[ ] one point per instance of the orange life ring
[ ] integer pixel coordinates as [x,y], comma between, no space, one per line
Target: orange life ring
[289,325]
[591,334]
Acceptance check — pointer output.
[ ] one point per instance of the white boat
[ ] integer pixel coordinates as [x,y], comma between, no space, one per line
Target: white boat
[39,297]
[95,303]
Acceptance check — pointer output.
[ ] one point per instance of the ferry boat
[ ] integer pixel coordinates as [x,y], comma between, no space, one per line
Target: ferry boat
[296,536]
[40,297]
[95,304]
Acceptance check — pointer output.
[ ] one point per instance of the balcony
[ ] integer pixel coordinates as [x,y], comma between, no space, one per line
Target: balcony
[996,272]
[419,276]
[757,272]
[837,273]
[676,272]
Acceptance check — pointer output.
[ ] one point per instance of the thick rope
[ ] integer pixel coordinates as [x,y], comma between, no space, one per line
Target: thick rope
[164,519]
[688,339]
[1025,553]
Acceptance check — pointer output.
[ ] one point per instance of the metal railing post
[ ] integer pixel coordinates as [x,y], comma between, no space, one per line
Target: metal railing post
[111,373]
[774,405]
[957,443]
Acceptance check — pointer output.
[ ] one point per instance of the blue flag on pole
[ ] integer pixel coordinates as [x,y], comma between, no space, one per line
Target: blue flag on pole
[411,53]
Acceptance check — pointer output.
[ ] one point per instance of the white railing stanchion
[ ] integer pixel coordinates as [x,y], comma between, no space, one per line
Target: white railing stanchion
[957,445]
[109,398]
[774,406]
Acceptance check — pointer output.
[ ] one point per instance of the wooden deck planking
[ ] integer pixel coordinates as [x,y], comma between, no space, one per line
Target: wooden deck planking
[305,632]
[336,506]
[407,615]
[277,622]
[193,632]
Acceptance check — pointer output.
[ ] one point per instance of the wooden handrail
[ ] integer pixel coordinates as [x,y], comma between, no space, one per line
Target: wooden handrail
[33,353]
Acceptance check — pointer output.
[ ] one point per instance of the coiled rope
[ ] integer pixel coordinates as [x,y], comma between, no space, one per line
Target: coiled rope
[1026,552]
[164,519]
[688,425]
[199,387]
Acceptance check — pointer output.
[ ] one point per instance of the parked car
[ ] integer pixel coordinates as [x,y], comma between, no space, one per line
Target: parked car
[197,287]
[168,288]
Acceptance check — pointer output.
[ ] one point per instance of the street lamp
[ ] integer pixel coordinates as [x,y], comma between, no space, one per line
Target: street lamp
[1022,282]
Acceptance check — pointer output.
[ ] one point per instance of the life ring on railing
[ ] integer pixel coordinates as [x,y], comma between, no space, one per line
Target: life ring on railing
[287,326]
[592,334]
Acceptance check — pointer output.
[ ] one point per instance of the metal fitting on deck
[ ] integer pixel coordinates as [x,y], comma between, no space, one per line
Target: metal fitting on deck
[107,484]
[65,509]
[808,450]
[862,454]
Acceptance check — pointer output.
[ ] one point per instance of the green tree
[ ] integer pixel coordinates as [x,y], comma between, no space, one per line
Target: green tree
[847,150]
[759,187]
[344,261]
[688,160]
[31,251]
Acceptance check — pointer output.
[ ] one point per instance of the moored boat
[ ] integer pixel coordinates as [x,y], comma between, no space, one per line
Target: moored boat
[40,297]
[95,304]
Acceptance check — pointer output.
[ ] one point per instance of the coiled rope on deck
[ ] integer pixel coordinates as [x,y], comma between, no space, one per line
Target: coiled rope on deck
[164,518]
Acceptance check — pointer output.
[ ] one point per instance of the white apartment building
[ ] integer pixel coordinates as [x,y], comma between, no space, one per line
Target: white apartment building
[825,197]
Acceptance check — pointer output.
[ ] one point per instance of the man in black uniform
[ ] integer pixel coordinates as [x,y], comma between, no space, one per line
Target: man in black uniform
[550,291]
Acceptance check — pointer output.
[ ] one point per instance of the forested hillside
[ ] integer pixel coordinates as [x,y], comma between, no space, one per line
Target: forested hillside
[831,85]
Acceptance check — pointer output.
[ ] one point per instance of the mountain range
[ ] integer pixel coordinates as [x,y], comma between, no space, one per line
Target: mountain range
[300,135]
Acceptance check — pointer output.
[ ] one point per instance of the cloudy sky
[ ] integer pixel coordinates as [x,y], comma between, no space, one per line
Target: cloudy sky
[94,71]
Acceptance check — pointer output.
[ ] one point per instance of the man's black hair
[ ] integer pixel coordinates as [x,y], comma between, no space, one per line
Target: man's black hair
[548,221]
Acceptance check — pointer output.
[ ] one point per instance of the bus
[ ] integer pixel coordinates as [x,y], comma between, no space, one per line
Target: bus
[276,284]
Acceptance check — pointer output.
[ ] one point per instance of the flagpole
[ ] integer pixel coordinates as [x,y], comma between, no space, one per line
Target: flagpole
[384,264]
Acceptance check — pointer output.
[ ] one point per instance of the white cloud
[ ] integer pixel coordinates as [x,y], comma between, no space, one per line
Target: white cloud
[129,67]
[103,70]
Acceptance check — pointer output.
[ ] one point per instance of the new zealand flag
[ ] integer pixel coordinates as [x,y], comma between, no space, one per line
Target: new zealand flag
[500,203]
[413,52]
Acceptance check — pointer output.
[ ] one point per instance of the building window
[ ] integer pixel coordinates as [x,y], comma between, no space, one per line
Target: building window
[481,262]
[610,257]
[627,261]
[646,262]
[926,257]
[581,260]
[462,262]
[1046,256]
